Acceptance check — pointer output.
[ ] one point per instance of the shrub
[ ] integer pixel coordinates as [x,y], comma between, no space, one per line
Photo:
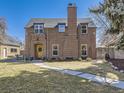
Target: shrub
[80,59]
[89,59]
[104,60]
[10,56]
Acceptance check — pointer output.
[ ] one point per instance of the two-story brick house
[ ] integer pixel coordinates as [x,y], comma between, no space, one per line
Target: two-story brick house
[61,38]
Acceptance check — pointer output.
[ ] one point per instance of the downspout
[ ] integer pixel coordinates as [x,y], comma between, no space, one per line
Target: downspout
[46,37]
[0,51]
[78,38]
[46,44]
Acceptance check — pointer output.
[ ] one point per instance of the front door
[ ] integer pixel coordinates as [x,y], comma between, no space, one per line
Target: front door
[39,51]
[4,53]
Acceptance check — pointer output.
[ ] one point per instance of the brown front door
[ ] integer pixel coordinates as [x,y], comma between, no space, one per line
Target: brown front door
[39,51]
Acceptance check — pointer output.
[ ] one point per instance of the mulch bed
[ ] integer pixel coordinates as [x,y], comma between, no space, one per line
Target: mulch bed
[119,63]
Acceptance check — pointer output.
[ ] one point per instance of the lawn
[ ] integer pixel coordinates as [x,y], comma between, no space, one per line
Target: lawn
[100,68]
[28,78]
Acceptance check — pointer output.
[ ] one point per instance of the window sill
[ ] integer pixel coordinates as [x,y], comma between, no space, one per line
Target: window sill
[55,55]
[84,33]
[60,32]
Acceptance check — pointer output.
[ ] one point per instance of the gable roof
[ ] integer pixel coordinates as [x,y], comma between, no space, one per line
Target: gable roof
[52,22]
[8,40]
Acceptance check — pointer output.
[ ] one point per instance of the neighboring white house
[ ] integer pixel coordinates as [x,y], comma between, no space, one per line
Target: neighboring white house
[9,46]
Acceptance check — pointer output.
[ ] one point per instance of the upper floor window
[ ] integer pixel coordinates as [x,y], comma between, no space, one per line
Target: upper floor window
[61,28]
[55,49]
[83,29]
[38,28]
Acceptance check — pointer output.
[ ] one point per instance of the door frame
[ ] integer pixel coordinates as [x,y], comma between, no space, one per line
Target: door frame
[35,51]
[5,53]
[86,50]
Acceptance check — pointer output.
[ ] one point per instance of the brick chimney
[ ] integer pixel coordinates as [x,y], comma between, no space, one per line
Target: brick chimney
[72,19]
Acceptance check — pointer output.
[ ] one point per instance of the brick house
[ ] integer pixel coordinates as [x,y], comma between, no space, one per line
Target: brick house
[61,38]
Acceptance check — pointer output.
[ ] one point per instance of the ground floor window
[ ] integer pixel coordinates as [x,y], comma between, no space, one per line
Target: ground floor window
[55,49]
[13,50]
[83,49]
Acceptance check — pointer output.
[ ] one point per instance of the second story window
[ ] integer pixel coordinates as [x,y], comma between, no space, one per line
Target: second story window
[61,28]
[38,28]
[83,29]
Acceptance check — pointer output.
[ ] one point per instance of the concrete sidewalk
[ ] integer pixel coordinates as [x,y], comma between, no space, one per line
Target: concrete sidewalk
[99,79]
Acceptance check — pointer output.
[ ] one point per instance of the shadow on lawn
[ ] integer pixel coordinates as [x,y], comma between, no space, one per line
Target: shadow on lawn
[8,60]
[25,82]
[41,82]
[16,62]
[46,81]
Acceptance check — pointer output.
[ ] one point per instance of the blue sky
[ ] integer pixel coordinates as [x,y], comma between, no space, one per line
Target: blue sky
[19,12]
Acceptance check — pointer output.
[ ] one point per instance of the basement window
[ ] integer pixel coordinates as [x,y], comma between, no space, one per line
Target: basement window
[38,28]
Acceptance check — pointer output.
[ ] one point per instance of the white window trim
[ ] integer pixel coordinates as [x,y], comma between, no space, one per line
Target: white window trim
[55,49]
[38,28]
[86,29]
[86,49]
[61,28]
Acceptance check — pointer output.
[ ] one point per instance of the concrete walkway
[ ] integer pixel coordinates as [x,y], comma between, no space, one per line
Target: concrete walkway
[99,79]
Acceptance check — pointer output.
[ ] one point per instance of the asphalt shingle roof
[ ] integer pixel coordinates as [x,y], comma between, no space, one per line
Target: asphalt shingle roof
[52,22]
[8,40]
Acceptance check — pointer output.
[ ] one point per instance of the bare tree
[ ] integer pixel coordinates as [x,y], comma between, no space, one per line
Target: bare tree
[109,15]
[3,25]
[102,27]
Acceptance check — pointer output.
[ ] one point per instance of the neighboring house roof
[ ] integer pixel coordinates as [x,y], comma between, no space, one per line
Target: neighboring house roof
[8,40]
[52,22]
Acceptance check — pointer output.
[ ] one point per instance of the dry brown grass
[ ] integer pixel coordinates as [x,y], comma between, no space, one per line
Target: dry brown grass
[97,68]
[28,78]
